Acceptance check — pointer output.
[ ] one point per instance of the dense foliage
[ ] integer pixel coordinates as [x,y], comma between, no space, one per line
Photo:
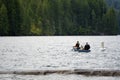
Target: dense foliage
[116,5]
[57,17]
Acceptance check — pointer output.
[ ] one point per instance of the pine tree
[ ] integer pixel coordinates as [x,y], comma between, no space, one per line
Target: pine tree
[119,22]
[4,26]
[14,16]
[110,20]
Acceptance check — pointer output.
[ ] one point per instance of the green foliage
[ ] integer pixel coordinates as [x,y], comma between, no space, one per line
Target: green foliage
[119,22]
[114,3]
[34,30]
[56,17]
[4,26]
[110,20]
[0,3]
[14,16]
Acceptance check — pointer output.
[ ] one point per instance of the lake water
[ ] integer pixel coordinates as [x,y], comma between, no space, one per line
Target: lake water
[55,53]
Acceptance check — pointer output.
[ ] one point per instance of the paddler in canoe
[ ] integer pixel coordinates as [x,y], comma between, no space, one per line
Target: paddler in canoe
[87,46]
[77,46]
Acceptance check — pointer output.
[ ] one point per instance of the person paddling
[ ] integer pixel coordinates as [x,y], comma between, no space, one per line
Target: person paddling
[87,46]
[77,45]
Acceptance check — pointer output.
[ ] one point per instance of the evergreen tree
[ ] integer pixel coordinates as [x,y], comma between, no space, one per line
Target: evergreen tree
[57,17]
[4,25]
[93,20]
[0,3]
[110,21]
[119,22]
[14,16]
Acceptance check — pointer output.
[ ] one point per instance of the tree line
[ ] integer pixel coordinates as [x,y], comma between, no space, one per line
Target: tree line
[57,17]
[116,5]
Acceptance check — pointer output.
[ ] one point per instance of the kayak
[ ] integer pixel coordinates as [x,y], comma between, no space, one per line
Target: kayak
[79,50]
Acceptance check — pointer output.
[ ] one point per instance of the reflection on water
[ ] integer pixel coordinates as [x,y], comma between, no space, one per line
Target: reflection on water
[54,53]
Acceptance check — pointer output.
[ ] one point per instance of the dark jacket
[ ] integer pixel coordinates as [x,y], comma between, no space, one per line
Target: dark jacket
[87,47]
[77,45]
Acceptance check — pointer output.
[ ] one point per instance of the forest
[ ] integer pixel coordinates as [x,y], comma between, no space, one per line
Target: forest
[114,3]
[58,17]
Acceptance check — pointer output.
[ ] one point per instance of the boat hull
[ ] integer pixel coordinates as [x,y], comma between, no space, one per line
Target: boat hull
[79,50]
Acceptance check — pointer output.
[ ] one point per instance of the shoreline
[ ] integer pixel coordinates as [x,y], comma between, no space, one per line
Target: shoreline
[85,72]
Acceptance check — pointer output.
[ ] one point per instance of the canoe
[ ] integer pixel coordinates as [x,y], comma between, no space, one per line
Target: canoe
[79,50]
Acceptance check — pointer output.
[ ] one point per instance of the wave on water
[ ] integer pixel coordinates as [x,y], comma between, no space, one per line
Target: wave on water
[85,72]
